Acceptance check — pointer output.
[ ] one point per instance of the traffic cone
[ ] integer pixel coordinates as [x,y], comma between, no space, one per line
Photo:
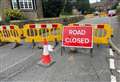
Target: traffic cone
[46,58]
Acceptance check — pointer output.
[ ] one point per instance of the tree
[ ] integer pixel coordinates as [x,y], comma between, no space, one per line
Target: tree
[81,5]
[52,8]
[114,6]
[68,7]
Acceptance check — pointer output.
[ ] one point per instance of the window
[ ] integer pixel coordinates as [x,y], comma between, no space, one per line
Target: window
[22,4]
[26,4]
[14,4]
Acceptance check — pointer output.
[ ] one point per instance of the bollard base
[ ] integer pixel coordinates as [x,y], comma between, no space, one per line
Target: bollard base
[46,65]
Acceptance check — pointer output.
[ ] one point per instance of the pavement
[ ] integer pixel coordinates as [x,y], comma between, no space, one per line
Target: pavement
[116,40]
[70,67]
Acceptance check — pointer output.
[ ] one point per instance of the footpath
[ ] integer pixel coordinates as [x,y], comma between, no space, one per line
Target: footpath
[116,42]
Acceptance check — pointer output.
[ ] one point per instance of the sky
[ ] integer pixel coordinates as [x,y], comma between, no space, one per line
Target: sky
[93,1]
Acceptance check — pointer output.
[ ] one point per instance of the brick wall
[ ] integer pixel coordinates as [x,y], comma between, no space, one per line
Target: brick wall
[36,13]
[3,5]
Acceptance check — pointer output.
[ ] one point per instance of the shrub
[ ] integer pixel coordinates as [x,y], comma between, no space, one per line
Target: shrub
[118,12]
[14,14]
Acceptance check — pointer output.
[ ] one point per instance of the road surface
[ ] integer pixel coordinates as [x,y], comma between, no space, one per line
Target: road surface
[73,67]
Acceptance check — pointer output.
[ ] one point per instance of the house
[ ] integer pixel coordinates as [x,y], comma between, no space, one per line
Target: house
[30,8]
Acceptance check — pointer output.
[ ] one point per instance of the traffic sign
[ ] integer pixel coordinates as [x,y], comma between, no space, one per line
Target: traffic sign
[77,36]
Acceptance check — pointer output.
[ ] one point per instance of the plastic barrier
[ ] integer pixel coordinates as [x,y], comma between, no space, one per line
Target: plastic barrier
[102,34]
[52,32]
[10,33]
[38,32]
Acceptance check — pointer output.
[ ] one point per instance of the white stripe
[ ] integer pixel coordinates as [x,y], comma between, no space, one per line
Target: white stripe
[118,71]
[113,78]
[111,52]
[45,50]
[112,64]
[49,25]
[7,27]
[37,26]
[0,27]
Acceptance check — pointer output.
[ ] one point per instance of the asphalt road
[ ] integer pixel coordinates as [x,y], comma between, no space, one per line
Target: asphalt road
[72,67]
[115,24]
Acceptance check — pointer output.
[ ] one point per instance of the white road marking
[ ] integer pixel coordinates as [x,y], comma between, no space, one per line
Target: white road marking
[112,63]
[113,78]
[111,52]
[118,71]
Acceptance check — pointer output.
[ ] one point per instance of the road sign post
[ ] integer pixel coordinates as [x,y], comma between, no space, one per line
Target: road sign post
[77,36]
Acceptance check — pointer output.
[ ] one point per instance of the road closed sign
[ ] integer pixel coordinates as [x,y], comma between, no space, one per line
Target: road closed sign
[77,36]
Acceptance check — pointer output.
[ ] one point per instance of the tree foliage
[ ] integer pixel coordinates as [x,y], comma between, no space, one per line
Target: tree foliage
[52,8]
[114,6]
[81,5]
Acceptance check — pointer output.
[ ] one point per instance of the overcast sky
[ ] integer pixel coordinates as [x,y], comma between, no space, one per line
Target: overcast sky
[93,1]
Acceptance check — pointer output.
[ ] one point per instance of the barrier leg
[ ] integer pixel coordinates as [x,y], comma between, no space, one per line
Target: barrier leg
[91,52]
[98,45]
[16,45]
[62,50]
[56,43]
[33,44]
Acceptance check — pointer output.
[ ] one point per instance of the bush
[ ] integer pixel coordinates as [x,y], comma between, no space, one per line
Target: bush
[118,12]
[14,14]
[114,6]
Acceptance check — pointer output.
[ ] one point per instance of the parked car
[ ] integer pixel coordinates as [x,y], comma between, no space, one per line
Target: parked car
[111,12]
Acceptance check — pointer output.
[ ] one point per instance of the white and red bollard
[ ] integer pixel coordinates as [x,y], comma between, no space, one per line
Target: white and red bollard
[46,59]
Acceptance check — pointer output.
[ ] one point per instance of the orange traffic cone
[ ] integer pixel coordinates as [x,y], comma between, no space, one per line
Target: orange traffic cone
[46,59]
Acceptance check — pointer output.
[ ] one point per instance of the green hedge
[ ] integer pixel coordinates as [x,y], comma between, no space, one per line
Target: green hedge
[63,20]
[13,14]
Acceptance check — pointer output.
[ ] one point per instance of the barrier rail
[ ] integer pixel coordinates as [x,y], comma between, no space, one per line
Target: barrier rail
[51,32]
[10,33]
[102,32]
[38,32]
